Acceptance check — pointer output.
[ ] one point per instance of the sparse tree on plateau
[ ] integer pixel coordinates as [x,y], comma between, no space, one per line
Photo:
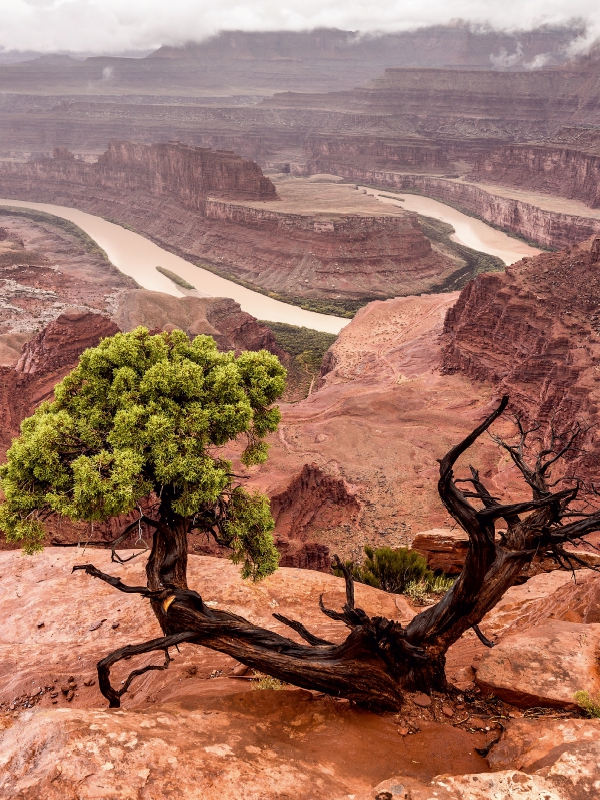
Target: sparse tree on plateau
[143,418]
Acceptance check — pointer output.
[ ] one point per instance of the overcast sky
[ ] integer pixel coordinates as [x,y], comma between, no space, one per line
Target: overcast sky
[126,25]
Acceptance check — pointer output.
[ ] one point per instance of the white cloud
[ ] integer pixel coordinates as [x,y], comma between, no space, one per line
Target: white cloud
[125,25]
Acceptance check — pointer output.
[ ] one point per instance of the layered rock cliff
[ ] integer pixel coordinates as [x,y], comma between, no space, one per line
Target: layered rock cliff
[464,103]
[333,253]
[326,152]
[552,227]
[172,170]
[553,168]
[533,332]
[325,255]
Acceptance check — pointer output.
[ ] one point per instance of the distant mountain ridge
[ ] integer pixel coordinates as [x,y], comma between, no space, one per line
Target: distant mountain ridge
[238,62]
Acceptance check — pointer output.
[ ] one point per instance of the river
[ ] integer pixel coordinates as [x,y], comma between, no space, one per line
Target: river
[468,231]
[136,256]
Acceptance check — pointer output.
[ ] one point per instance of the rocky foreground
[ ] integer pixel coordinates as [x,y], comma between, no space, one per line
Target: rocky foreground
[200,729]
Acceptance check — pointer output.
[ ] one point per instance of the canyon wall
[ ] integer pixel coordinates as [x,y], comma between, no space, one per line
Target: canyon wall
[529,104]
[533,332]
[336,255]
[554,169]
[170,170]
[549,228]
[323,255]
[325,152]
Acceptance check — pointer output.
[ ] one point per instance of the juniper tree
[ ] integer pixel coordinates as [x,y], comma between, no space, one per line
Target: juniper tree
[144,417]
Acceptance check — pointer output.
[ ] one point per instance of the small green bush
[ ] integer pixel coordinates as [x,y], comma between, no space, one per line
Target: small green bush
[440,584]
[389,569]
[588,703]
[261,682]
[417,591]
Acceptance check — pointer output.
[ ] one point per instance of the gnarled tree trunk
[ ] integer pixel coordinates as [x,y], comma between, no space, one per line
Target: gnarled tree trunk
[380,659]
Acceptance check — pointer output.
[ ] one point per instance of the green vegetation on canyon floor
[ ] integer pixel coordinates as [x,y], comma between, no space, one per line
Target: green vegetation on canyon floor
[474,261]
[337,308]
[306,347]
[177,279]
[89,245]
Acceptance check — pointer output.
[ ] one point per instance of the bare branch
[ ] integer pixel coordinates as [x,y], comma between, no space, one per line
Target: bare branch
[300,629]
[90,569]
[452,498]
[348,579]
[114,695]
[488,514]
[483,639]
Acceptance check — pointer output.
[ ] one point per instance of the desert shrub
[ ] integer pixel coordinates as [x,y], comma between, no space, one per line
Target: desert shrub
[588,703]
[440,584]
[390,569]
[262,681]
[417,591]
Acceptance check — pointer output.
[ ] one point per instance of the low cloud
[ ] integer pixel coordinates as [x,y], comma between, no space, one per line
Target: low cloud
[109,26]
[505,60]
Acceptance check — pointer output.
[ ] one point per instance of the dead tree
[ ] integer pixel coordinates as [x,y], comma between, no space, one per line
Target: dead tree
[380,659]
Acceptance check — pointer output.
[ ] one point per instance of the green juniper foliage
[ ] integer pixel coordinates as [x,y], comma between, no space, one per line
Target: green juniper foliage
[140,414]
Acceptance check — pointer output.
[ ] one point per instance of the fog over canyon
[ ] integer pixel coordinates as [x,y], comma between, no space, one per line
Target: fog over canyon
[402,207]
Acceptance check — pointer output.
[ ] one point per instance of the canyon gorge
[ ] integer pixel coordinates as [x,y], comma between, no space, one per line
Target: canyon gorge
[298,238]
[285,162]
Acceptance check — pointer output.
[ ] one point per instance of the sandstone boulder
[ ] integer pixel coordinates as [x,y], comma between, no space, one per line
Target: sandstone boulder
[548,745]
[543,666]
[155,754]
[444,549]
[569,600]
[530,603]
